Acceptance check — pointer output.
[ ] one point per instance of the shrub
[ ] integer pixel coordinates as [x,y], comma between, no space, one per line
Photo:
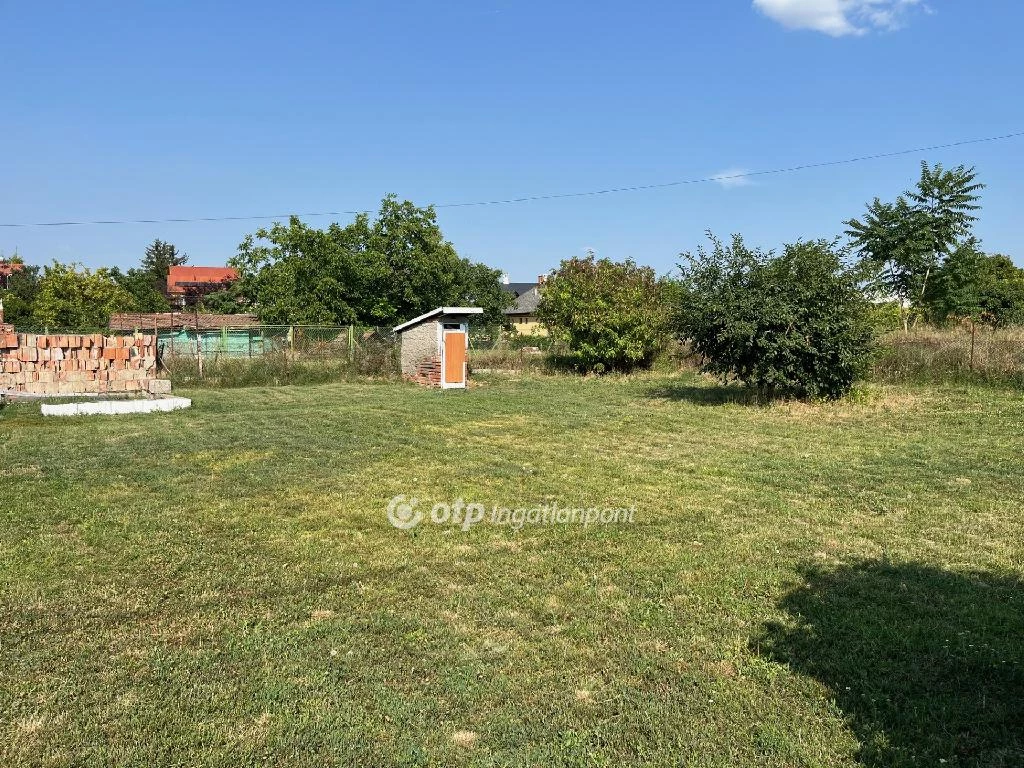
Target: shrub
[885,316]
[794,324]
[610,316]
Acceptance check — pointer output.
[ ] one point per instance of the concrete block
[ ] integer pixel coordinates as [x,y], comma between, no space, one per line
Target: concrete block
[159,387]
[117,407]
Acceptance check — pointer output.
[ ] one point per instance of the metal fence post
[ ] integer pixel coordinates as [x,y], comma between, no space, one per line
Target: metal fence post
[199,353]
[974,331]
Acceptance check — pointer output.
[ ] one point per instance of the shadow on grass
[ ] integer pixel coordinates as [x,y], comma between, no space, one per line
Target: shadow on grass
[928,665]
[708,394]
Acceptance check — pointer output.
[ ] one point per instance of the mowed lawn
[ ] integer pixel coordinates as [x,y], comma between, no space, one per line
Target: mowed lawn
[803,585]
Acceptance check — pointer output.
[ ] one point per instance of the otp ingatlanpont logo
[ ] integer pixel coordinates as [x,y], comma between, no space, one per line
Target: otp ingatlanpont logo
[402,513]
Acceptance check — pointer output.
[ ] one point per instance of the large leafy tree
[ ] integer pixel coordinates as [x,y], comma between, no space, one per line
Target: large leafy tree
[791,324]
[143,288]
[228,301]
[902,244]
[75,298]
[610,316]
[1002,291]
[972,284]
[18,293]
[375,272]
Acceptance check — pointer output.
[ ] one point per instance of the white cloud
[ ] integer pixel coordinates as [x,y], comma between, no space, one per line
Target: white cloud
[733,177]
[839,17]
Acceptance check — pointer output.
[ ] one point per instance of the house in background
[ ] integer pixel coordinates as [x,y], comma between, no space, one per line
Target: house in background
[186,283]
[523,313]
[8,268]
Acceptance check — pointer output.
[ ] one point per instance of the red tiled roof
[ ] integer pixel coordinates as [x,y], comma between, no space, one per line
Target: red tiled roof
[8,268]
[180,279]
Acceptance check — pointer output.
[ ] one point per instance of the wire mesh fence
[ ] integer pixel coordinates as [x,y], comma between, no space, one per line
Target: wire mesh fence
[276,354]
[345,342]
[967,351]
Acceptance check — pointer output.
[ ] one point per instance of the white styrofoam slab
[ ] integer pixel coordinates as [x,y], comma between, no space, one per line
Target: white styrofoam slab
[117,407]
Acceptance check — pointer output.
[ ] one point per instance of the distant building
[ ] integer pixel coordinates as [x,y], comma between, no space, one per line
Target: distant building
[523,314]
[8,268]
[186,282]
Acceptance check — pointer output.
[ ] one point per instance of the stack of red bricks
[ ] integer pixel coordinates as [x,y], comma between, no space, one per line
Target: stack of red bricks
[428,372]
[59,364]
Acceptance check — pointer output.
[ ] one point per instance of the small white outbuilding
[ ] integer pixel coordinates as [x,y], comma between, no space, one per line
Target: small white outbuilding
[434,345]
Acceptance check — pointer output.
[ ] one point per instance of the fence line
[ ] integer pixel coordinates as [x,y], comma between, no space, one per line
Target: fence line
[299,341]
[964,351]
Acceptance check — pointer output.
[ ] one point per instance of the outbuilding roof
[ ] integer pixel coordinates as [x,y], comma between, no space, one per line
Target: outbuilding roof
[436,314]
[128,321]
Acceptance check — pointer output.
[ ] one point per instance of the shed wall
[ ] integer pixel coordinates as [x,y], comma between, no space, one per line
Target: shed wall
[419,343]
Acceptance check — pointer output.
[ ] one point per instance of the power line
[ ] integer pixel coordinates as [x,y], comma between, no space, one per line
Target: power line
[537,198]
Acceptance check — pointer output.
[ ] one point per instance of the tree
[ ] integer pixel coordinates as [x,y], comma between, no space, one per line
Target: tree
[903,244]
[894,257]
[611,316]
[477,285]
[144,288]
[78,299]
[971,284]
[298,274]
[20,293]
[945,202]
[1001,291]
[158,260]
[147,283]
[794,324]
[375,272]
[229,301]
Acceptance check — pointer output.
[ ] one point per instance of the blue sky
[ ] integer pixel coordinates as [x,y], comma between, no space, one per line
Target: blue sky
[190,109]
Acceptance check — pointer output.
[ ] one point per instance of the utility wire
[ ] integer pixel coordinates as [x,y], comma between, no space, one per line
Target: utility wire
[536,198]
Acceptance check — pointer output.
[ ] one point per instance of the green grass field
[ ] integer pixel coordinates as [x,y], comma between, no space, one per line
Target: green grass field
[803,585]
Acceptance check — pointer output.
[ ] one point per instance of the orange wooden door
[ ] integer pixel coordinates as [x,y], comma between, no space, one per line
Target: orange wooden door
[454,357]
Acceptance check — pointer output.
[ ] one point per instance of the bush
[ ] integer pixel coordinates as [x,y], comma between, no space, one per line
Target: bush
[885,317]
[794,324]
[609,316]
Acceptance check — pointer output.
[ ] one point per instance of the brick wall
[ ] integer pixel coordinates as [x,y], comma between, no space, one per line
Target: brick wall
[68,364]
[428,372]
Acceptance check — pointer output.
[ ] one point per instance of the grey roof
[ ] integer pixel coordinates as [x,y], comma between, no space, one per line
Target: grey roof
[526,303]
[517,289]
